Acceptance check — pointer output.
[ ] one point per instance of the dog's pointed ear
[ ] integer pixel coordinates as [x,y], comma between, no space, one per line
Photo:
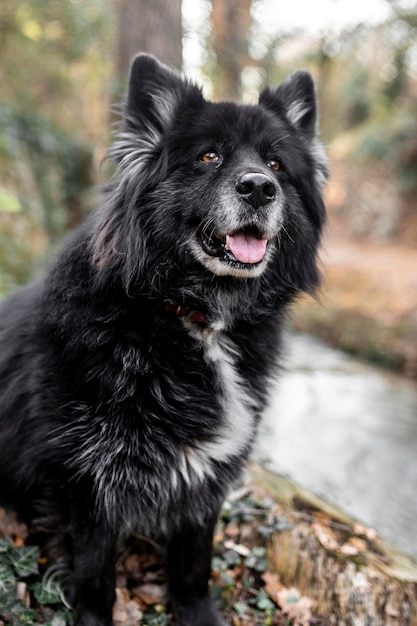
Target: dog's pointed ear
[154,94]
[296,99]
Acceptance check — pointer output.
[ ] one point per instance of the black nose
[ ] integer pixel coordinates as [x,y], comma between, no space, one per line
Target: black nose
[256,188]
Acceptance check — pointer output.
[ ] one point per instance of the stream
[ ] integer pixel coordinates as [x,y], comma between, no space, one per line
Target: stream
[346,431]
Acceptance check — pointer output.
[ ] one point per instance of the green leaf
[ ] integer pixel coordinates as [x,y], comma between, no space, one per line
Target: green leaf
[8,202]
[231,558]
[151,618]
[5,545]
[292,599]
[277,525]
[46,593]
[7,592]
[227,580]
[25,560]
[6,572]
[257,559]
[218,564]
[263,602]
[241,608]
[14,612]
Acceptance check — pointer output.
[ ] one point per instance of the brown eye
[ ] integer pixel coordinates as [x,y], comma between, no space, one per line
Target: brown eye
[210,157]
[274,165]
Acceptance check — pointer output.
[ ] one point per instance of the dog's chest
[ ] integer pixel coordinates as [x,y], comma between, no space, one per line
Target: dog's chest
[234,423]
[147,469]
[236,426]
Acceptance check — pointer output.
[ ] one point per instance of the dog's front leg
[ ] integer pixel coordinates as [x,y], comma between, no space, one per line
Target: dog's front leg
[189,566]
[93,584]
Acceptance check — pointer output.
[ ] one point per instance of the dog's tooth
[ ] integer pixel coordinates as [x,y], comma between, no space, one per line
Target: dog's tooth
[227,244]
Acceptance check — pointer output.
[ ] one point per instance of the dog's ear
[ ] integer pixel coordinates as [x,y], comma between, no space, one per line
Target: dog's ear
[296,99]
[154,94]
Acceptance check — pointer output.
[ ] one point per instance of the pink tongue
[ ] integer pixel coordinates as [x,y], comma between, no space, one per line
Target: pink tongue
[247,248]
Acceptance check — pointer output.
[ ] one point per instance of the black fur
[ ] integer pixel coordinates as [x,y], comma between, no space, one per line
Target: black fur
[134,373]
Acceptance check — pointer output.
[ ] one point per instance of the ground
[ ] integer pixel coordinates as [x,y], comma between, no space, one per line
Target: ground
[247,592]
[368,301]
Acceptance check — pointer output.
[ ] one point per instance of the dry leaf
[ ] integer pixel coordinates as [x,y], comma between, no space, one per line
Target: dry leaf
[135,564]
[150,593]
[364,531]
[326,537]
[22,593]
[322,517]
[295,606]
[134,614]
[272,585]
[232,530]
[218,537]
[354,546]
[237,547]
[119,608]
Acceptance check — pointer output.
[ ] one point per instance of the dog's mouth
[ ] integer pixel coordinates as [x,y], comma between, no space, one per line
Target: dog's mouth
[243,248]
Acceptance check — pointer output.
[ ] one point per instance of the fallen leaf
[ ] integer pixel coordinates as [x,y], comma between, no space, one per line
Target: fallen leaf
[364,531]
[134,614]
[119,608]
[237,547]
[218,537]
[295,606]
[272,585]
[322,517]
[136,564]
[22,593]
[326,537]
[150,593]
[232,530]
[354,546]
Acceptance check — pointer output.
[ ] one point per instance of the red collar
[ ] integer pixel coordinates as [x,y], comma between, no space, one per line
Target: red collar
[197,317]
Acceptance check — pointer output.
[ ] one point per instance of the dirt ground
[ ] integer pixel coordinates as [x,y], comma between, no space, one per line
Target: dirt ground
[384,276]
[368,301]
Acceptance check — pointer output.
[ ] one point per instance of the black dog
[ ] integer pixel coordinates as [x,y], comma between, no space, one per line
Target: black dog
[134,373]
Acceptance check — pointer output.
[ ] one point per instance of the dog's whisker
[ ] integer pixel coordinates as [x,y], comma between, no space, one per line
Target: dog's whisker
[288,234]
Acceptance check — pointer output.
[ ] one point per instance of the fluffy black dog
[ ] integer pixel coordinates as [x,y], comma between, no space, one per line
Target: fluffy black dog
[134,373]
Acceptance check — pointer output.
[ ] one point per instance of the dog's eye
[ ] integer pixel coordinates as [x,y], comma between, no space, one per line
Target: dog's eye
[210,157]
[274,165]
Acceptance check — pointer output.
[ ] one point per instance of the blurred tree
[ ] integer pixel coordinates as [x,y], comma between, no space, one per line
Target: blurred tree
[152,26]
[231,24]
[54,64]
[43,45]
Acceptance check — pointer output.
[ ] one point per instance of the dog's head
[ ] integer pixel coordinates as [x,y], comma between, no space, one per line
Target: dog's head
[230,189]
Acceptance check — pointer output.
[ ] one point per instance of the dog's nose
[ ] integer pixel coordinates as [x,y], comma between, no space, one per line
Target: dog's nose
[256,188]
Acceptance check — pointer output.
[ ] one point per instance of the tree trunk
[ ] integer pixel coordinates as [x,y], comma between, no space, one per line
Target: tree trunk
[231,21]
[353,577]
[152,26]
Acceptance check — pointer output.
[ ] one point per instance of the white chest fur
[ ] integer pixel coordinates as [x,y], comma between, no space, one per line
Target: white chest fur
[236,429]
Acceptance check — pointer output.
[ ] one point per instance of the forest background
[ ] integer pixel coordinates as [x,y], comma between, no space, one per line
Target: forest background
[63,68]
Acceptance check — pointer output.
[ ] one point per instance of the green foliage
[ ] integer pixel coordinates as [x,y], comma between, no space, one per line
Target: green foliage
[21,563]
[153,618]
[46,172]
[40,42]
[392,139]
[9,202]
[356,95]
[54,58]
[48,168]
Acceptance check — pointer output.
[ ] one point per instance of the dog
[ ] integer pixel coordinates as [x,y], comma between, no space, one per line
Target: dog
[135,371]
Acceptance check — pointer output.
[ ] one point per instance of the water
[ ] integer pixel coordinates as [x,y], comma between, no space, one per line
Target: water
[348,432]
